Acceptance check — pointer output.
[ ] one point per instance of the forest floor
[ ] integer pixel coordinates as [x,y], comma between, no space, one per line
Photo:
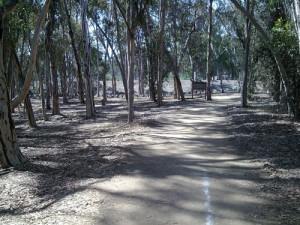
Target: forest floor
[78,168]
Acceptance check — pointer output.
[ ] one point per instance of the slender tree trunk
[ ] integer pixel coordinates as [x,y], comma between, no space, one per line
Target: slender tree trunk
[34,46]
[98,69]
[27,101]
[139,68]
[113,76]
[41,80]
[48,80]
[77,57]
[151,76]
[288,93]
[51,52]
[209,69]
[64,80]
[131,76]
[90,109]
[175,88]
[246,62]
[122,55]
[105,79]
[162,16]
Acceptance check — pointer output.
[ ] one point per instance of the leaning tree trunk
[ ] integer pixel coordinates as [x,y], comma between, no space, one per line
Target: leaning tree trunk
[77,57]
[27,101]
[284,76]
[209,69]
[34,46]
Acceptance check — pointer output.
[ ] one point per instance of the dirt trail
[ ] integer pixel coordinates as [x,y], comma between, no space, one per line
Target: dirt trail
[183,171]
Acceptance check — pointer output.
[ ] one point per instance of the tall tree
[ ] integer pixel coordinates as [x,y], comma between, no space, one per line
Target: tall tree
[51,49]
[90,106]
[76,55]
[209,67]
[247,50]
[135,11]
[162,16]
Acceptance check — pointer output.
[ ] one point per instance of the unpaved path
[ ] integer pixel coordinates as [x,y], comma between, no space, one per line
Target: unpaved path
[183,171]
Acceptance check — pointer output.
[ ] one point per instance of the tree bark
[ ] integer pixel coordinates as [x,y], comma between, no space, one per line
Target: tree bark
[64,80]
[90,107]
[48,78]
[27,102]
[131,76]
[247,50]
[162,16]
[41,80]
[10,154]
[52,56]
[76,55]
[208,65]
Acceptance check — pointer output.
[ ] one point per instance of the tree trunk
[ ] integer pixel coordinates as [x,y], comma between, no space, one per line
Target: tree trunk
[64,80]
[288,93]
[131,76]
[151,76]
[209,69]
[113,76]
[140,70]
[27,101]
[51,51]
[10,154]
[48,79]
[246,63]
[41,80]
[105,80]
[34,46]
[90,107]
[121,63]
[162,16]
[77,57]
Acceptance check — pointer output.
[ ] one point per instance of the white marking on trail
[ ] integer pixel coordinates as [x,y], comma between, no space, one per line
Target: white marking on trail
[206,185]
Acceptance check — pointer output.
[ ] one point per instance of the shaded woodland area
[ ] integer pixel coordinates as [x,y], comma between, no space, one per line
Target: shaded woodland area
[87,62]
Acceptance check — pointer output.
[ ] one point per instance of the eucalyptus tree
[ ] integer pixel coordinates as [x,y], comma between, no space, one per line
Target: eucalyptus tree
[290,91]
[90,106]
[75,51]
[19,31]
[209,34]
[181,20]
[10,154]
[248,27]
[162,17]
[109,27]
[132,13]
[51,46]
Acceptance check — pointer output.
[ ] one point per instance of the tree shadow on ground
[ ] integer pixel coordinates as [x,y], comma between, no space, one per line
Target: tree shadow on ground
[64,154]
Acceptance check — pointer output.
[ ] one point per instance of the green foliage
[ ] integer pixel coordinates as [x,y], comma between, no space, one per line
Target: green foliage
[284,39]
